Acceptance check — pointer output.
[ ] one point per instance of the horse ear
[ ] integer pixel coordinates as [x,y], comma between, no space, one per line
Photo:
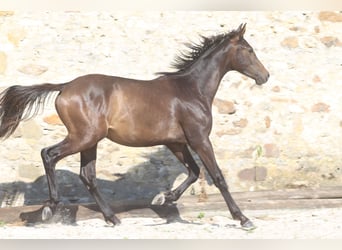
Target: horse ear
[242,29]
[238,33]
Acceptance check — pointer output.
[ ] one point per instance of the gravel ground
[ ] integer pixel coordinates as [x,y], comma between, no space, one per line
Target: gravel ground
[271,224]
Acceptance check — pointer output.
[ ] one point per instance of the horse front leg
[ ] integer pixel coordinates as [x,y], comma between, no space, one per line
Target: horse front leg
[205,151]
[183,154]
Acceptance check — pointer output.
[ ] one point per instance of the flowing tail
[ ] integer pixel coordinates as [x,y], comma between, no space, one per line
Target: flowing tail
[18,103]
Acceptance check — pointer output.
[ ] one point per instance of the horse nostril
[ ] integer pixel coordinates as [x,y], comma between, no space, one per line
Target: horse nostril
[267,76]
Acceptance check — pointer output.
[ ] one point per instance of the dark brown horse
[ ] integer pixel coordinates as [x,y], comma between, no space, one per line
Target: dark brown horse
[173,110]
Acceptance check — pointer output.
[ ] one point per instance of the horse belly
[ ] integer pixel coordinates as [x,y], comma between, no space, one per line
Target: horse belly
[145,134]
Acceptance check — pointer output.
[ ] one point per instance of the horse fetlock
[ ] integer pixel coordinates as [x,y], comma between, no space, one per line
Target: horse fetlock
[166,198]
[53,203]
[171,196]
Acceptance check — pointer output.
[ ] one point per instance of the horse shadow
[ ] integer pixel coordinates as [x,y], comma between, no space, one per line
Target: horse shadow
[129,191]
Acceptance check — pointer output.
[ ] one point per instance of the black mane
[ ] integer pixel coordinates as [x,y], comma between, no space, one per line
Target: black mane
[195,50]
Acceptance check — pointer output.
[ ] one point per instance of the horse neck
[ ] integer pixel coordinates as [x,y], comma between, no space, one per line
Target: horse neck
[208,72]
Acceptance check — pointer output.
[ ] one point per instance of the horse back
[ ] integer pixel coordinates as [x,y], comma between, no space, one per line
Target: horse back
[130,112]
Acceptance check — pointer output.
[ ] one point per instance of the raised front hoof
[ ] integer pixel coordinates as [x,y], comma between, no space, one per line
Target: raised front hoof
[159,199]
[47,214]
[248,225]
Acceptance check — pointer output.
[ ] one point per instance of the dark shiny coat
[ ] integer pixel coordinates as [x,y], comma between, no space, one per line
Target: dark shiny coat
[173,110]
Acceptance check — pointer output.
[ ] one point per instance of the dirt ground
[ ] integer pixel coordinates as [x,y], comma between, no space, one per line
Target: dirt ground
[271,224]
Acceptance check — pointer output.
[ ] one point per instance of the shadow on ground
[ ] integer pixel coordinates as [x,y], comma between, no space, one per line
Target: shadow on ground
[134,189]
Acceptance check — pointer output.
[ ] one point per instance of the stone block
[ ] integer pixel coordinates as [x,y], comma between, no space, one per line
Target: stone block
[30,172]
[253,174]
[276,89]
[53,119]
[224,107]
[316,79]
[330,16]
[268,122]
[242,123]
[33,69]
[271,150]
[330,41]
[320,107]
[30,130]
[6,13]
[15,36]
[3,62]
[232,131]
[290,42]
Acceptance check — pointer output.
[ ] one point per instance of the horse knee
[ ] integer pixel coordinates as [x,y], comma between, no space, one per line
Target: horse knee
[43,153]
[47,159]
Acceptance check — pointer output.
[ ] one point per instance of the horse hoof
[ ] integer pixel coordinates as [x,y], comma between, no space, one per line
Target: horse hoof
[114,221]
[46,214]
[248,226]
[159,199]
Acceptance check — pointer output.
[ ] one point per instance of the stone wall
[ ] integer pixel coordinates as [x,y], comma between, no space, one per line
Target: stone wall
[286,134]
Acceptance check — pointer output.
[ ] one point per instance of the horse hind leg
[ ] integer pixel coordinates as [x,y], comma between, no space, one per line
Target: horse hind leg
[88,177]
[183,154]
[50,156]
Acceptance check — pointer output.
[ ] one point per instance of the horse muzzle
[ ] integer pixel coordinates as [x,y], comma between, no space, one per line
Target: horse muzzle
[262,79]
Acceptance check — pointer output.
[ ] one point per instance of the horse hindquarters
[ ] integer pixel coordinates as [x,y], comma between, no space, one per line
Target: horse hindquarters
[85,128]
